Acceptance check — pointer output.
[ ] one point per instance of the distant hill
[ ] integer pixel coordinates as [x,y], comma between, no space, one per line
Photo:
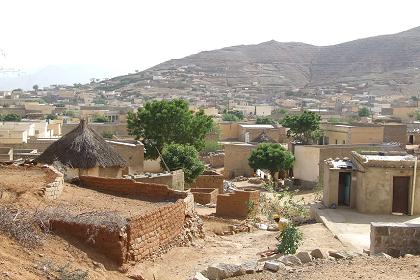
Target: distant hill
[385,63]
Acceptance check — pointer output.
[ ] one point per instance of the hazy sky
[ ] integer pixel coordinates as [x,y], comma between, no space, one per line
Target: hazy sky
[125,35]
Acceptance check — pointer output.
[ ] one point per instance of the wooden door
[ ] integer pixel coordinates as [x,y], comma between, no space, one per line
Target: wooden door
[400,193]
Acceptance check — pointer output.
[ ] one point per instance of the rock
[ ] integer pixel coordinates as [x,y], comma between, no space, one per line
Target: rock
[382,255]
[318,254]
[223,271]
[366,251]
[274,266]
[290,260]
[98,265]
[199,276]
[250,267]
[304,257]
[136,277]
[408,255]
[123,268]
[337,255]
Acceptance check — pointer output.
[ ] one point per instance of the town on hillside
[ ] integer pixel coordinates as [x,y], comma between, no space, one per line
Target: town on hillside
[251,162]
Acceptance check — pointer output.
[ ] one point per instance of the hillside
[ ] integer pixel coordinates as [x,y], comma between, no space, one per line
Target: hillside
[386,63]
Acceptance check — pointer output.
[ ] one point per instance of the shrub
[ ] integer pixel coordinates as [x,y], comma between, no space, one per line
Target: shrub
[290,239]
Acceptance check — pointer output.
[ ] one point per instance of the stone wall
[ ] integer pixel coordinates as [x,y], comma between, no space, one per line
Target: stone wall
[209,180]
[395,239]
[53,189]
[238,204]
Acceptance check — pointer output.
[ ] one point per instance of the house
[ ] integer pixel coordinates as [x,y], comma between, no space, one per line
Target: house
[236,160]
[353,134]
[373,182]
[84,152]
[246,132]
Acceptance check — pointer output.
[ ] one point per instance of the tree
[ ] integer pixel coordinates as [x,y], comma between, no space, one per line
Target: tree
[272,157]
[51,116]
[303,128]
[166,122]
[265,120]
[11,118]
[238,114]
[99,119]
[185,157]
[227,117]
[35,87]
[364,112]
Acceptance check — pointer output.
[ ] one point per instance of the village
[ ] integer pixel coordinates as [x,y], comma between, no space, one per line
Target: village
[168,189]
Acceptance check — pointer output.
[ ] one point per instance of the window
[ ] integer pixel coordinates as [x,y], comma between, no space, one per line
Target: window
[344,141]
[336,141]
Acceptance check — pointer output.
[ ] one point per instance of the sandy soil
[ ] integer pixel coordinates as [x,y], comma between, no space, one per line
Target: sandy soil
[358,268]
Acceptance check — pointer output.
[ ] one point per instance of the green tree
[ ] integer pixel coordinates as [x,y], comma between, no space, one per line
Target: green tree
[185,157]
[364,112]
[166,122]
[272,157]
[265,120]
[303,128]
[238,114]
[227,117]
[51,116]
[11,118]
[99,119]
[290,239]
[35,87]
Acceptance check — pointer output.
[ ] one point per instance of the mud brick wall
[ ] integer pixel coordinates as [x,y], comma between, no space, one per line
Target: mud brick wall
[148,232]
[209,180]
[394,239]
[205,196]
[158,192]
[53,189]
[111,244]
[238,204]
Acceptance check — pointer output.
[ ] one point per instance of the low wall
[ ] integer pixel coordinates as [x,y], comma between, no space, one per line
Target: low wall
[209,180]
[238,204]
[148,232]
[394,239]
[205,196]
[173,179]
[215,160]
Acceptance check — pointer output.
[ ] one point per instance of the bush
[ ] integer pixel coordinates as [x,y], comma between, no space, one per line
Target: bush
[290,239]
[229,117]
[211,146]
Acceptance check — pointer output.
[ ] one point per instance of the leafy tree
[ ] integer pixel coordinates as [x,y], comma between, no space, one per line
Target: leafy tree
[99,119]
[364,112]
[35,87]
[237,113]
[303,128]
[51,116]
[290,239]
[272,157]
[185,157]
[166,122]
[229,117]
[10,118]
[265,120]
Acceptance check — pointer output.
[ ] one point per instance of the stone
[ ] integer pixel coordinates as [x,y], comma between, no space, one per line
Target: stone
[382,255]
[250,267]
[223,271]
[304,257]
[274,266]
[136,277]
[337,255]
[290,260]
[408,255]
[319,254]
[366,251]
[199,276]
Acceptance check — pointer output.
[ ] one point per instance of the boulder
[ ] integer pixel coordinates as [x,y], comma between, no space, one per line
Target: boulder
[290,260]
[304,257]
[319,254]
[199,276]
[337,255]
[274,266]
[382,255]
[223,271]
[250,267]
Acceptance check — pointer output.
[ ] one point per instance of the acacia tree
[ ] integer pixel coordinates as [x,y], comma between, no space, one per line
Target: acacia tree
[185,157]
[272,157]
[303,128]
[166,122]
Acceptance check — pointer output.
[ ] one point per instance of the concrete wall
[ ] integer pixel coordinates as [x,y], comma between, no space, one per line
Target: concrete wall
[238,204]
[236,160]
[395,239]
[306,167]
[229,131]
[209,180]
[132,153]
[366,135]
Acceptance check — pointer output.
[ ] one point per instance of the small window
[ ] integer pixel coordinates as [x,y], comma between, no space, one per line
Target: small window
[336,141]
[344,141]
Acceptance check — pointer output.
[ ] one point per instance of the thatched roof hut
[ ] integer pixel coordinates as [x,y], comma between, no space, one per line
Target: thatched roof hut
[82,148]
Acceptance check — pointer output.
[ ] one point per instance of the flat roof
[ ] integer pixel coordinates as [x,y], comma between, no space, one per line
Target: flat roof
[389,157]
[257,125]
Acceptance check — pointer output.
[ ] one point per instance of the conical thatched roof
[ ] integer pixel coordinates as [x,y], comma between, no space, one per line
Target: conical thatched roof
[82,148]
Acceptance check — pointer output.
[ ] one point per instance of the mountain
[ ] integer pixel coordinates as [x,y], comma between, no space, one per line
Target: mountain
[381,64]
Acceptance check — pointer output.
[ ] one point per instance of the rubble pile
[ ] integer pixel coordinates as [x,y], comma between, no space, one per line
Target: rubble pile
[239,179]
[228,186]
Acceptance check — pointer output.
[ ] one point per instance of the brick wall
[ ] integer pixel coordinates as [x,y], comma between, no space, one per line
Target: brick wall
[395,239]
[205,196]
[209,180]
[237,204]
[148,232]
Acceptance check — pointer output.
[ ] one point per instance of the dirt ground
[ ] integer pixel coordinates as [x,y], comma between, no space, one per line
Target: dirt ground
[358,268]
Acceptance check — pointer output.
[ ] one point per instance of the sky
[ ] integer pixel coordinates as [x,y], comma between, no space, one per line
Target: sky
[125,35]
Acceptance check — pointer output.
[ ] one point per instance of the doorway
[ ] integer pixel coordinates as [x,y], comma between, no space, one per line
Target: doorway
[344,188]
[411,139]
[400,193]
